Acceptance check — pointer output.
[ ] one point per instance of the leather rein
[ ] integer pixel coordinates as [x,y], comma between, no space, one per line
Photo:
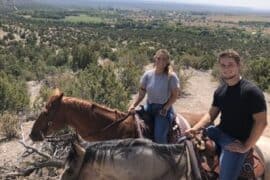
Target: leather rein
[118,121]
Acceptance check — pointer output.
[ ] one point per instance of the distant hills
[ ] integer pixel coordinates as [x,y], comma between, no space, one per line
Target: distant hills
[126,4]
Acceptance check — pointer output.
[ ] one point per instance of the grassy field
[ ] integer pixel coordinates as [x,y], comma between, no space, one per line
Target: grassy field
[84,18]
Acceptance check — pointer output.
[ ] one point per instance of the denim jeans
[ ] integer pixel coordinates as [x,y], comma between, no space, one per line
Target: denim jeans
[161,123]
[230,162]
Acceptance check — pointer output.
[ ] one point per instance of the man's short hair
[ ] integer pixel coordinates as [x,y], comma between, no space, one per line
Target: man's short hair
[230,53]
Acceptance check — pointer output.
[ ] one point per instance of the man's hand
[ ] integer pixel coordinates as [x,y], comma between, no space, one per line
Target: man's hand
[237,146]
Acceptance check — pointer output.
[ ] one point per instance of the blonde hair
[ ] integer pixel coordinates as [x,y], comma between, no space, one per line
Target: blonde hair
[168,69]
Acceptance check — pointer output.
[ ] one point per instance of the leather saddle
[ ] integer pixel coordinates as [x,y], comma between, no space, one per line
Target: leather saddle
[148,132]
[208,158]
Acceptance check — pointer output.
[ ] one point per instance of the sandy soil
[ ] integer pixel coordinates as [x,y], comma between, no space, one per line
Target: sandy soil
[197,96]
[33,90]
[2,33]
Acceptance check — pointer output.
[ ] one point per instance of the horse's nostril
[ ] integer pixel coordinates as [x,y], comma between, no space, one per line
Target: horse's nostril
[33,136]
[36,136]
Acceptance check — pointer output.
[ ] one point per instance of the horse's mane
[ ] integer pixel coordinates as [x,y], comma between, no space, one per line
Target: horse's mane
[81,104]
[72,156]
[98,151]
[84,105]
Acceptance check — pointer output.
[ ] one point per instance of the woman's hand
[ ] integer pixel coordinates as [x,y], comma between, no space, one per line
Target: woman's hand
[163,111]
[131,109]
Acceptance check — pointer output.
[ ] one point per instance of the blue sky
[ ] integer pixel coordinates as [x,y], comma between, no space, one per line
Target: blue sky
[255,4]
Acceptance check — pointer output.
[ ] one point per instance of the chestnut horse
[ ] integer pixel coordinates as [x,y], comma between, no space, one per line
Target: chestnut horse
[87,118]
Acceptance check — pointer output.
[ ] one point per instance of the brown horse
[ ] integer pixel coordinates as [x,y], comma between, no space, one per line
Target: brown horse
[87,118]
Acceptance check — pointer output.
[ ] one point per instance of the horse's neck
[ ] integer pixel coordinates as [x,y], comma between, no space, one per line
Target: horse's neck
[93,111]
[87,120]
[109,115]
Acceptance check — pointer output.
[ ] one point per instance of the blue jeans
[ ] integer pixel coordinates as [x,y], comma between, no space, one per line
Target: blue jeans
[161,123]
[230,162]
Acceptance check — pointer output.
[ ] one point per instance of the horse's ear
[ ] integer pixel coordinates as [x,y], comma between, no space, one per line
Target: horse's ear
[61,95]
[78,149]
[57,92]
[78,139]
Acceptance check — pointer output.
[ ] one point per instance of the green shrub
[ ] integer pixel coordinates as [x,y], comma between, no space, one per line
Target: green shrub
[13,94]
[259,71]
[82,55]
[203,62]
[96,83]
[129,75]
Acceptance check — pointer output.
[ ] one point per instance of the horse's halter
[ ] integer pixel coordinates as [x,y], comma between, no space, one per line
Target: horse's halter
[50,114]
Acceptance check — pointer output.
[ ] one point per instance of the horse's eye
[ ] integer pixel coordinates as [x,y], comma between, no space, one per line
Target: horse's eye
[45,113]
[69,171]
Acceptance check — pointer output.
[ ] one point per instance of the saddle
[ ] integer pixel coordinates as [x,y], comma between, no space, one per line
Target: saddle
[208,158]
[174,131]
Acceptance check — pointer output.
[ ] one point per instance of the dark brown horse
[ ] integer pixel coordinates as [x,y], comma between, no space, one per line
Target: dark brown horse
[88,119]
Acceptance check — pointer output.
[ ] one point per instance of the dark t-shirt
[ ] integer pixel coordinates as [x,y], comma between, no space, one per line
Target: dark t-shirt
[237,104]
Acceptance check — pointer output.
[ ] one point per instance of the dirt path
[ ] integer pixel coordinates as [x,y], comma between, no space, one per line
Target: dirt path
[11,151]
[33,91]
[197,96]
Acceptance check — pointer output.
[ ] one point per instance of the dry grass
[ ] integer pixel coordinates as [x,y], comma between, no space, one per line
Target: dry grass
[9,125]
[184,78]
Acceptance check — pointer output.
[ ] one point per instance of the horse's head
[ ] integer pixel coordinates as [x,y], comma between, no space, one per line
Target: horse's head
[73,163]
[47,121]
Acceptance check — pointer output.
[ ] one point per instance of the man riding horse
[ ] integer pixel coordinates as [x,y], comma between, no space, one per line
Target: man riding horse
[243,116]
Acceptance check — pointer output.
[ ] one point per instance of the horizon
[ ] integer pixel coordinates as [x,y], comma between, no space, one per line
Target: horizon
[240,6]
[252,4]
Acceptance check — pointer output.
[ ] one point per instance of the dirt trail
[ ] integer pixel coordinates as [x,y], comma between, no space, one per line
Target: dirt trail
[197,96]
[11,151]
[33,91]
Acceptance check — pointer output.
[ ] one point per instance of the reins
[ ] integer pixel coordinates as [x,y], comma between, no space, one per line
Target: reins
[118,121]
